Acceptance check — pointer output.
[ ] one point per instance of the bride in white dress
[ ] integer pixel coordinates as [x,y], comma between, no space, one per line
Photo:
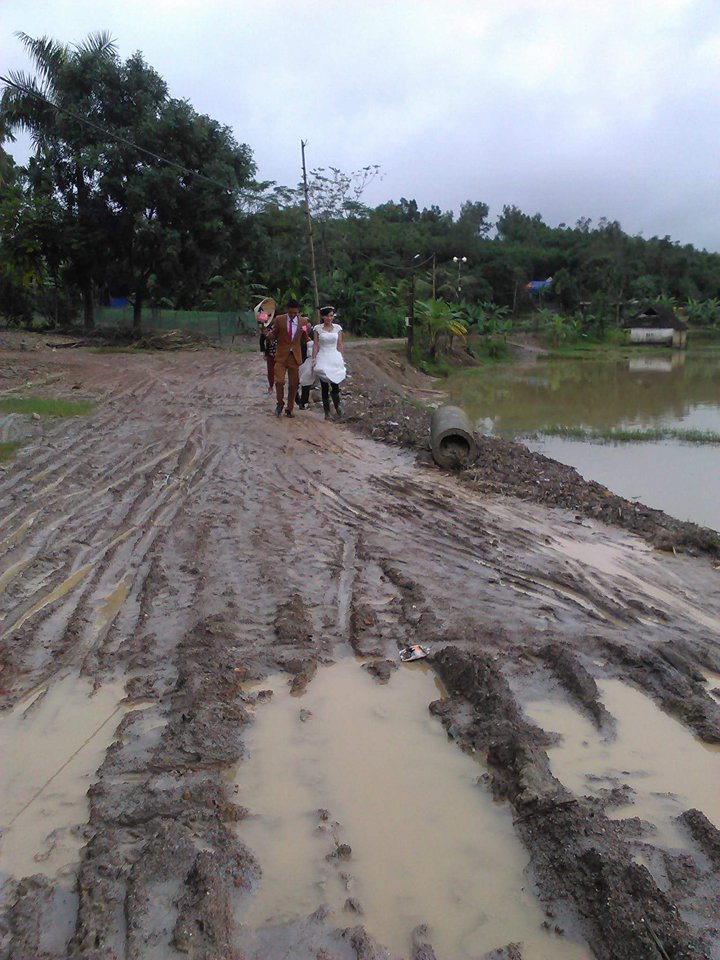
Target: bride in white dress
[327,361]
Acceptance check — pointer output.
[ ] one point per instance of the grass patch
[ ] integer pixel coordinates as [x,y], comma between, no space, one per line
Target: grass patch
[45,408]
[438,368]
[7,449]
[418,405]
[580,351]
[614,435]
[610,350]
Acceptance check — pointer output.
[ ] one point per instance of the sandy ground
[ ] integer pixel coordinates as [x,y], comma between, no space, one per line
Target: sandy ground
[181,543]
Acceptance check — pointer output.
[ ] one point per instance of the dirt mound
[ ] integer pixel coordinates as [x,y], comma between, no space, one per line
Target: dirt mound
[173,340]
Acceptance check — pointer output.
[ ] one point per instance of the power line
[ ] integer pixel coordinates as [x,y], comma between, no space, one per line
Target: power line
[395,266]
[130,143]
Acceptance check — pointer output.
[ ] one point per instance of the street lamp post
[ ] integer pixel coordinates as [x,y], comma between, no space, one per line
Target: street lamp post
[433,257]
[459,261]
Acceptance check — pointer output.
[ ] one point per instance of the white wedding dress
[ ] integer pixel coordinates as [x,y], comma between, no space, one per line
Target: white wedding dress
[329,363]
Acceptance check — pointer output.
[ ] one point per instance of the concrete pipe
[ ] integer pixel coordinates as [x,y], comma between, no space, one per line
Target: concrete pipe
[451,438]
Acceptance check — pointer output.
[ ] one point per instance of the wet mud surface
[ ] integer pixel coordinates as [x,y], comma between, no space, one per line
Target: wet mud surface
[181,545]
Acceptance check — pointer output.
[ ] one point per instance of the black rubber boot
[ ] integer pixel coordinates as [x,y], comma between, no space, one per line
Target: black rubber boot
[337,404]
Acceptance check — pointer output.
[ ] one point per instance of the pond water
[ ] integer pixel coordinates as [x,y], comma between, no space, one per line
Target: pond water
[666,390]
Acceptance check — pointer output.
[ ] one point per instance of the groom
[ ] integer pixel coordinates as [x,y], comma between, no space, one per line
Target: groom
[288,331]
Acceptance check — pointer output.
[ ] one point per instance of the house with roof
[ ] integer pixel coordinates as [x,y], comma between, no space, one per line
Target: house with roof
[657,323]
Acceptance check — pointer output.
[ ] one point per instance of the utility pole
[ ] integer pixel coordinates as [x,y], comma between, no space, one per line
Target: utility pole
[310,234]
[411,318]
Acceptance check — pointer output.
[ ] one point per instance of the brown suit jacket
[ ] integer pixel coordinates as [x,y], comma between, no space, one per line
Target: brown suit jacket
[286,346]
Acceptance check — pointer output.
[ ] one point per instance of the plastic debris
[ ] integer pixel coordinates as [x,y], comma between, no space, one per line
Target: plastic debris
[414,651]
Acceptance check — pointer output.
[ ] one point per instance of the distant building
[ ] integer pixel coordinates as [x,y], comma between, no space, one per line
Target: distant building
[657,323]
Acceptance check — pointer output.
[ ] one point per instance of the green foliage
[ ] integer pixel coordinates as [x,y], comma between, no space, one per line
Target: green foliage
[558,328]
[438,322]
[492,324]
[336,195]
[432,367]
[125,219]
[618,435]
[703,312]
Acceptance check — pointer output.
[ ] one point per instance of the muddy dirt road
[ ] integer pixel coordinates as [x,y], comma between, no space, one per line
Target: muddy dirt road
[179,572]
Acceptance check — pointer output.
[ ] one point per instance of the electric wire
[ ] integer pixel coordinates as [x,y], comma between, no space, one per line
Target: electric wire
[130,143]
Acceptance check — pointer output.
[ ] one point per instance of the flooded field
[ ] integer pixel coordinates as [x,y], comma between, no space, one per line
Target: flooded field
[670,390]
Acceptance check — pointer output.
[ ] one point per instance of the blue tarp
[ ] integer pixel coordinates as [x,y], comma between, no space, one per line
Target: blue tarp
[539,286]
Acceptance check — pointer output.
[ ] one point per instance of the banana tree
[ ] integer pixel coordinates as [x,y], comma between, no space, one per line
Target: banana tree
[441,322]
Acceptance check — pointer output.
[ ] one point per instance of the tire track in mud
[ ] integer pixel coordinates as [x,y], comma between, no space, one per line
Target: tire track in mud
[98,563]
[578,853]
[174,853]
[601,601]
[63,460]
[135,816]
[503,553]
[580,587]
[602,598]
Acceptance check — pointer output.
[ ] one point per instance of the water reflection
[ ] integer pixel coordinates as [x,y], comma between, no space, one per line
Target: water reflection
[670,390]
[657,364]
[642,390]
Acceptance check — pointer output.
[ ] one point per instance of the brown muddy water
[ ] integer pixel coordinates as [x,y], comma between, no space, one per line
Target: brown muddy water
[671,390]
[425,841]
[51,745]
[668,769]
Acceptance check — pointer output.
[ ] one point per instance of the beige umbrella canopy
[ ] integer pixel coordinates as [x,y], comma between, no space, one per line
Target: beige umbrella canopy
[267,305]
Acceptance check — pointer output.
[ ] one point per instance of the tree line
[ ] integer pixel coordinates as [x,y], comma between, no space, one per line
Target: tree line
[131,193]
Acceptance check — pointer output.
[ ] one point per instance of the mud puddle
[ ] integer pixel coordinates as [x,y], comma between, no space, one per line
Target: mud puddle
[51,745]
[356,792]
[668,769]
[603,555]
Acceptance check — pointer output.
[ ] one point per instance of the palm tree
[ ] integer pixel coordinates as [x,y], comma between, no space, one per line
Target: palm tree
[53,107]
[35,103]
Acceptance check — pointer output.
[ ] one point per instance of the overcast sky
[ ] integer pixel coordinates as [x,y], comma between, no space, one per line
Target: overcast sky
[567,108]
